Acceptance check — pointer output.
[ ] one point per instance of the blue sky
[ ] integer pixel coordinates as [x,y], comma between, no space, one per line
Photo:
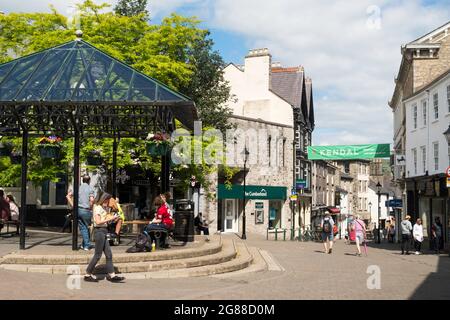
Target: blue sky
[351,49]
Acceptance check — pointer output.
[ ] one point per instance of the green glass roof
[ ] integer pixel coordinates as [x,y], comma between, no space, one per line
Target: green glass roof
[77,71]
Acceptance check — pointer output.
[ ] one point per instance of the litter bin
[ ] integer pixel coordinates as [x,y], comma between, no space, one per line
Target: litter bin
[184,221]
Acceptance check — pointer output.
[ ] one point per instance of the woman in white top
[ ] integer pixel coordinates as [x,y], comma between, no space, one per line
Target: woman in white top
[102,216]
[13,208]
[418,235]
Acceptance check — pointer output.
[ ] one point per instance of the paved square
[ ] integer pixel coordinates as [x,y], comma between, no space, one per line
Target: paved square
[303,272]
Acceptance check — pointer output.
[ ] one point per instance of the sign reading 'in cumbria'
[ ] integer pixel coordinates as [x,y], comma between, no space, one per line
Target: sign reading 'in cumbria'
[350,152]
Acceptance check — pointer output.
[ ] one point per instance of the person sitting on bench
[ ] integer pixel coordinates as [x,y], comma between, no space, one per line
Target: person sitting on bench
[13,208]
[162,220]
[5,210]
[115,207]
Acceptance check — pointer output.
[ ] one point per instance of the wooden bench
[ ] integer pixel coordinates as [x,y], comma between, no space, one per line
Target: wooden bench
[11,233]
[136,225]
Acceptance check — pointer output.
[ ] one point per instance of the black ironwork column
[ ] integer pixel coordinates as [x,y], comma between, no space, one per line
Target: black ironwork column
[23,194]
[114,168]
[165,173]
[76,187]
[244,218]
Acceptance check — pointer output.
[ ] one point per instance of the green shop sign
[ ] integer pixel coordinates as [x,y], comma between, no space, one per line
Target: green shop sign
[251,192]
[350,152]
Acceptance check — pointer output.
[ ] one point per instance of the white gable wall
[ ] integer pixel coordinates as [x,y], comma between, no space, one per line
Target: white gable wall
[251,90]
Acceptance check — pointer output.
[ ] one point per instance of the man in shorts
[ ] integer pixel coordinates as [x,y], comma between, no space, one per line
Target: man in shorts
[327,224]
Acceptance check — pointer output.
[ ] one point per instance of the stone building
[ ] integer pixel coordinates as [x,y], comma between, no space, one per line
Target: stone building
[325,179]
[423,60]
[420,95]
[270,102]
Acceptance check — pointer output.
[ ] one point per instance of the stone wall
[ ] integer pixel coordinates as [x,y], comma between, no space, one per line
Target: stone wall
[276,174]
[427,69]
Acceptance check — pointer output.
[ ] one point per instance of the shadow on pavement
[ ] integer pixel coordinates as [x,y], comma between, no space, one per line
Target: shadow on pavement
[436,284]
[396,247]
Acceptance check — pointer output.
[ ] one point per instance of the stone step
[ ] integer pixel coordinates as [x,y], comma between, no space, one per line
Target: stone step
[207,248]
[227,253]
[258,265]
[243,260]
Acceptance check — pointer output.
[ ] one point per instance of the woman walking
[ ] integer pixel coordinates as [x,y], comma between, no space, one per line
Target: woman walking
[418,235]
[101,219]
[360,231]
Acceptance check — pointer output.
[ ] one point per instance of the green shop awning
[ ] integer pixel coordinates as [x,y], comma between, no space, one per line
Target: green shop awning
[252,192]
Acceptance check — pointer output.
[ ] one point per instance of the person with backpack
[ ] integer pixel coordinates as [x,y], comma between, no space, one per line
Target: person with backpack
[359,227]
[327,224]
[406,229]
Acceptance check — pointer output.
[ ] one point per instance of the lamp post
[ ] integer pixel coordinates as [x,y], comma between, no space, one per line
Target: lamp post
[379,210]
[245,153]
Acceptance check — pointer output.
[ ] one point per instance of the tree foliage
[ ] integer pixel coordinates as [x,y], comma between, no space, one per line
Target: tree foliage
[131,8]
[176,52]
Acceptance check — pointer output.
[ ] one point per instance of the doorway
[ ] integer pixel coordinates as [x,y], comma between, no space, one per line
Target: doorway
[230,216]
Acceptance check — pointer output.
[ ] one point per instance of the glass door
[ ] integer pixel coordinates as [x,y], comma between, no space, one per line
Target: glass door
[230,224]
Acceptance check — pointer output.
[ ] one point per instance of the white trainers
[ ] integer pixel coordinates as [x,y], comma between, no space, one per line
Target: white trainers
[417,252]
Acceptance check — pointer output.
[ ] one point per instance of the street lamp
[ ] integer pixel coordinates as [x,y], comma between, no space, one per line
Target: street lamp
[447,134]
[245,153]
[379,209]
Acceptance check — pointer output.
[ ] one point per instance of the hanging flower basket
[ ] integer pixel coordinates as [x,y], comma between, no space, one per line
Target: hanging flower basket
[158,149]
[94,158]
[16,157]
[158,144]
[49,151]
[50,147]
[94,161]
[5,149]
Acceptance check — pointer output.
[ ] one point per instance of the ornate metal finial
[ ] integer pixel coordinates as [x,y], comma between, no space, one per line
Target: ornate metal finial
[79,34]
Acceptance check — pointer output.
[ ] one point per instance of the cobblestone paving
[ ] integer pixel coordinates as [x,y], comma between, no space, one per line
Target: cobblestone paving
[309,274]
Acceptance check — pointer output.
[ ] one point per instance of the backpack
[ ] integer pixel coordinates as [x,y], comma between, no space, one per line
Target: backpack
[326,226]
[142,244]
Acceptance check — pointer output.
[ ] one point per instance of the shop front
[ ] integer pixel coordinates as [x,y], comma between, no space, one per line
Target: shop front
[428,199]
[265,207]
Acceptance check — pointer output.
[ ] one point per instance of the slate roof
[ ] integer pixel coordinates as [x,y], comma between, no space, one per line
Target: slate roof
[77,71]
[288,84]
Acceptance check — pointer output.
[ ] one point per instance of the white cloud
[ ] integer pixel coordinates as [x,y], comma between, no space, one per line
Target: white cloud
[63,6]
[352,66]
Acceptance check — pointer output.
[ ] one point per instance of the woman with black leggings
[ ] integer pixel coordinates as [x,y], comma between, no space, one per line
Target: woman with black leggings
[102,217]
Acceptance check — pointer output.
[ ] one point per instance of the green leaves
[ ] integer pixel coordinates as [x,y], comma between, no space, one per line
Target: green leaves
[176,52]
